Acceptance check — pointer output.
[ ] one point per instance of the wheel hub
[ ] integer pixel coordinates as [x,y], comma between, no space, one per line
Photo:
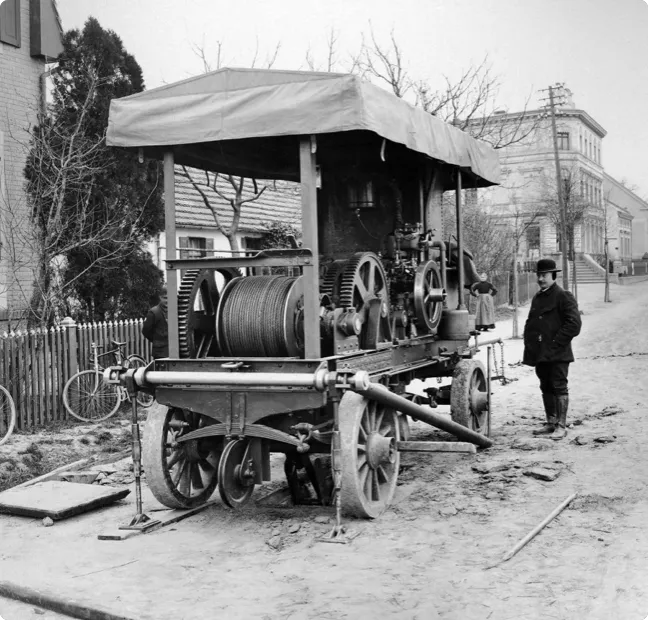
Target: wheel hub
[380,449]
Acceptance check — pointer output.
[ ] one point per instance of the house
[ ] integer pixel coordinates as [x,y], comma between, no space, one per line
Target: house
[528,190]
[197,233]
[30,39]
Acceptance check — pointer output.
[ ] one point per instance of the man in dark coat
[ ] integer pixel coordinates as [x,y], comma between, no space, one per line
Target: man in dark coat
[155,327]
[554,319]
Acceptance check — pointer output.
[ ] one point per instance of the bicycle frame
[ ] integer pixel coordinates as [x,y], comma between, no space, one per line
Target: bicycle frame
[120,360]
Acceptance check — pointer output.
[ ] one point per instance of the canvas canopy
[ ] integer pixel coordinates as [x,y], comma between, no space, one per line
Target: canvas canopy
[244,118]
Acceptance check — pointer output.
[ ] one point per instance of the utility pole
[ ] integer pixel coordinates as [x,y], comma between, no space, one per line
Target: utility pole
[559,186]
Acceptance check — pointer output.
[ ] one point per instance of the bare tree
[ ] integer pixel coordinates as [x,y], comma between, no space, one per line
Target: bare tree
[385,64]
[468,102]
[208,65]
[63,166]
[519,219]
[577,206]
[236,198]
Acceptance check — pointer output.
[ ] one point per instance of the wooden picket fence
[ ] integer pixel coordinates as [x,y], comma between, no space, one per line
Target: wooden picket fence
[36,364]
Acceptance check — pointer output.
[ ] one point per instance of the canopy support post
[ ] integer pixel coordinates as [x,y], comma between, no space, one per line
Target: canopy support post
[307,175]
[460,255]
[172,274]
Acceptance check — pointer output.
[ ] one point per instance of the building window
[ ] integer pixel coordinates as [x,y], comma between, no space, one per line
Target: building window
[193,247]
[10,22]
[533,241]
[563,140]
[598,154]
[580,139]
[361,195]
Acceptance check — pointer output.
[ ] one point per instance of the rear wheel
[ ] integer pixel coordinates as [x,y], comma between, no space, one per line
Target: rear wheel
[180,474]
[7,415]
[88,398]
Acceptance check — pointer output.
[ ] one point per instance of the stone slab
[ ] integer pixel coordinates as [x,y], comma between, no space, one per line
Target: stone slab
[57,499]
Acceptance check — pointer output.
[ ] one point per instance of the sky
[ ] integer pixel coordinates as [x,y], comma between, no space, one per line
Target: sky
[598,48]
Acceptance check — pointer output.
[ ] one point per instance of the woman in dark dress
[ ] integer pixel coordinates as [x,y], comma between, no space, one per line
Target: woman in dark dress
[485,314]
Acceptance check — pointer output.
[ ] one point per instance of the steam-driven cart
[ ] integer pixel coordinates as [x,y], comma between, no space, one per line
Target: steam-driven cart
[315,365]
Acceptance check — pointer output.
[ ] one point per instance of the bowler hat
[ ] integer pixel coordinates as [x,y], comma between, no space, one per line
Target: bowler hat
[545,265]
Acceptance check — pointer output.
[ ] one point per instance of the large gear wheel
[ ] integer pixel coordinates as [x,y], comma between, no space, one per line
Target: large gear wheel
[197,304]
[363,287]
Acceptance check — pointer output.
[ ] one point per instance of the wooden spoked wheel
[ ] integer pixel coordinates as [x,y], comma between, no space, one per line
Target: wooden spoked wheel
[235,474]
[370,461]
[180,474]
[469,397]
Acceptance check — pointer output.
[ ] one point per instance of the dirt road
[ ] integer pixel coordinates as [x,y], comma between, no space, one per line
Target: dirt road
[428,556]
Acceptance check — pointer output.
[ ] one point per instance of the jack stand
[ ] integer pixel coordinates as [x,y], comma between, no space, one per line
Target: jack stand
[339,533]
[141,521]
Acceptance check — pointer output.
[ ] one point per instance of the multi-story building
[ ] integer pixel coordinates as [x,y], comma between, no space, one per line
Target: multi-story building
[600,207]
[30,38]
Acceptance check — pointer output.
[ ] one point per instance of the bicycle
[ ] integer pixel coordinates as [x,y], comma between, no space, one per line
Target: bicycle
[88,398]
[7,414]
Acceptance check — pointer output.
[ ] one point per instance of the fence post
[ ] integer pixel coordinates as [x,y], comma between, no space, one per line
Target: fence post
[72,352]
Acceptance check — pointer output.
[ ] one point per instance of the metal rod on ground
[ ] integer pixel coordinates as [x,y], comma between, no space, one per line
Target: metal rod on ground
[535,530]
[140,521]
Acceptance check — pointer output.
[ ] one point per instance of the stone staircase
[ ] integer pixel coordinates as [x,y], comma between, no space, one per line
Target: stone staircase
[585,273]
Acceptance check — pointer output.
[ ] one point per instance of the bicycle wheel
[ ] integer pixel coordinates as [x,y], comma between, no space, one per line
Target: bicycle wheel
[143,398]
[7,415]
[88,398]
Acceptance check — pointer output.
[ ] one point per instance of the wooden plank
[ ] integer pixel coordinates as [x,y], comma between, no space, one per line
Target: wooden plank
[436,446]
[47,372]
[33,377]
[61,373]
[58,500]
[22,378]
[40,375]
[165,517]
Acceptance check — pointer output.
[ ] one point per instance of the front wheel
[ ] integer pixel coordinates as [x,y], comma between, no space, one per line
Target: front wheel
[143,398]
[7,415]
[88,398]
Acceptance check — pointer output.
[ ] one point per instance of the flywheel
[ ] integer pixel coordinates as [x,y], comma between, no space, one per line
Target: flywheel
[197,303]
[429,295]
[363,288]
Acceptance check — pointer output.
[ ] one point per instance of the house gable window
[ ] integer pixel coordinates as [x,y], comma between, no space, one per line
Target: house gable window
[195,247]
[10,22]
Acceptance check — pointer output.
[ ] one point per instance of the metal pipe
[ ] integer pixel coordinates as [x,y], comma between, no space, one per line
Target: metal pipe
[442,260]
[379,393]
[487,342]
[460,255]
[316,380]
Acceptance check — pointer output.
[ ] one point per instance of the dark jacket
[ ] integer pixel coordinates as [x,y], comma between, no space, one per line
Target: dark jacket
[156,330]
[553,321]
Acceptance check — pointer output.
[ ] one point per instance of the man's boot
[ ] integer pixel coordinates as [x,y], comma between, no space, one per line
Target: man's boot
[549,402]
[562,405]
